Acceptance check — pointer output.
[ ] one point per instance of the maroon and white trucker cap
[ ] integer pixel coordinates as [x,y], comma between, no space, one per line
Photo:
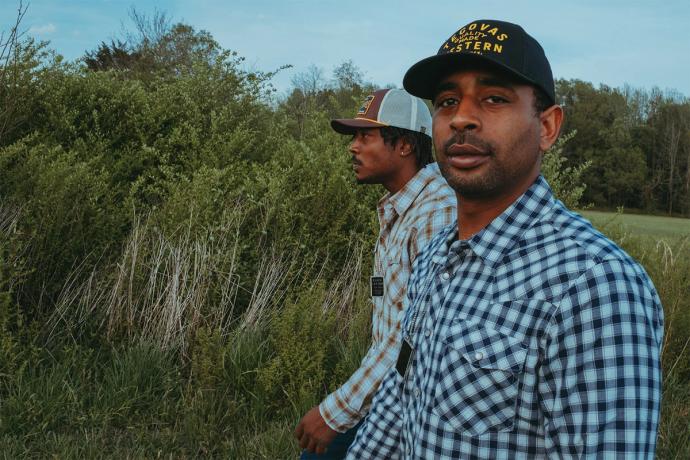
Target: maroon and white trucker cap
[388,107]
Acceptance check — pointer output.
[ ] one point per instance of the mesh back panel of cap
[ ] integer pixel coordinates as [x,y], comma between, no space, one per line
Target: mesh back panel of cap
[396,109]
[423,118]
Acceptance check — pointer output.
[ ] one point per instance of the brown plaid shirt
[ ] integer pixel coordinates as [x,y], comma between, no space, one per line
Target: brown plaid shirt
[408,220]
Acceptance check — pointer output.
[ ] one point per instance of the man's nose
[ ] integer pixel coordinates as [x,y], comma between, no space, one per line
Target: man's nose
[466,115]
[353,147]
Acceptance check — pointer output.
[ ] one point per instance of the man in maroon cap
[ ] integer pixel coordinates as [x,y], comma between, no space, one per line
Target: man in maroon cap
[391,146]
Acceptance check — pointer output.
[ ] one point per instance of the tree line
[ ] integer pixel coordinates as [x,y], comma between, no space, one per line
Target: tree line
[638,143]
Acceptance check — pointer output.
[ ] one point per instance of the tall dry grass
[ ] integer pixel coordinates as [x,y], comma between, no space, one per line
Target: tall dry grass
[164,287]
[669,266]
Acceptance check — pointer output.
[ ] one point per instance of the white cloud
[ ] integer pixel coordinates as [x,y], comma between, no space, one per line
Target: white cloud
[44,29]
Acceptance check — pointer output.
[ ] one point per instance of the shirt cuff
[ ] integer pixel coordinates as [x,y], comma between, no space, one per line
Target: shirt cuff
[337,414]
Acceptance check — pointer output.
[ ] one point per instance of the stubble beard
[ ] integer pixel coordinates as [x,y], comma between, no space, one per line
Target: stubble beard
[363,180]
[471,185]
[497,176]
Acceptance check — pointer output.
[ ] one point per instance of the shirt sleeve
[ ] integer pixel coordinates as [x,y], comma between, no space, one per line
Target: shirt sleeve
[600,384]
[439,220]
[346,406]
[379,436]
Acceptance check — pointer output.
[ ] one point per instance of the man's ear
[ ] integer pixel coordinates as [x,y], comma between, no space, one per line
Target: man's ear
[551,120]
[403,147]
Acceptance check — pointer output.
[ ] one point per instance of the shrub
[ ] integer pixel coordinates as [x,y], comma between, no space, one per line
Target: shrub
[301,339]
[15,334]
[566,181]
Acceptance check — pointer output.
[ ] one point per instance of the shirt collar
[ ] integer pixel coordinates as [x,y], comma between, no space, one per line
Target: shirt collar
[403,198]
[448,236]
[499,237]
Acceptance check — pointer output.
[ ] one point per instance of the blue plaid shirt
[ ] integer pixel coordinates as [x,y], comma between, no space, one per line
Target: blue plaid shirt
[537,337]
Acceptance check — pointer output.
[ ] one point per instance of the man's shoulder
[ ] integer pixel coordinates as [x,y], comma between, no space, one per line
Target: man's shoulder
[436,196]
[426,254]
[436,182]
[570,226]
[595,270]
[572,232]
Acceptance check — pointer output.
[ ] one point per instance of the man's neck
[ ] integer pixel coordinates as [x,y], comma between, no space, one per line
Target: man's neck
[397,182]
[476,214]
[473,216]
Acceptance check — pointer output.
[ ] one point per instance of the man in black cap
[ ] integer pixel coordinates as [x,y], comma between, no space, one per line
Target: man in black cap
[528,333]
[391,146]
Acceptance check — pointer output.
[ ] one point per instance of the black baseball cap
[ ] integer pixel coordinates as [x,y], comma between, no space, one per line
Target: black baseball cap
[497,43]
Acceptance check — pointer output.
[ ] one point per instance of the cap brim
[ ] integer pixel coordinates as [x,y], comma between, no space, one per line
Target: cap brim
[351,125]
[422,78]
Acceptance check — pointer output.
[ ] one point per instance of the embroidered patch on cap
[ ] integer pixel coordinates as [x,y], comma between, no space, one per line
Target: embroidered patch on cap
[478,38]
[365,105]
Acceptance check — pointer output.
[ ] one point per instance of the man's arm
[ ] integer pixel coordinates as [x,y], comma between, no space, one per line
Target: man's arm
[379,436]
[601,378]
[346,406]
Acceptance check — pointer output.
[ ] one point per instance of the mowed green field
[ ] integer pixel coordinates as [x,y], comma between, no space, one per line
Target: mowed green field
[640,225]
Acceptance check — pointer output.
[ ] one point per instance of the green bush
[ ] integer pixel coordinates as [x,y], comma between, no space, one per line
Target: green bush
[16,334]
[68,213]
[301,338]
[566,181]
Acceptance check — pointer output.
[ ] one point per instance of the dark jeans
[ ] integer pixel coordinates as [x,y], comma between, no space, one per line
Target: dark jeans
[338,447]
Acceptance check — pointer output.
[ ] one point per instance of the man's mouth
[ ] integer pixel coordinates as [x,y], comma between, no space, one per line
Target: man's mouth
[466,156]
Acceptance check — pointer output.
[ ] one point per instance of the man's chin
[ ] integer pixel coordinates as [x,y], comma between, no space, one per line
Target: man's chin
[473,186]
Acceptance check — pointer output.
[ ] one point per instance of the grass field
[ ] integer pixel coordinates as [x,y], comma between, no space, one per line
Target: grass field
[239,394]
[645,226]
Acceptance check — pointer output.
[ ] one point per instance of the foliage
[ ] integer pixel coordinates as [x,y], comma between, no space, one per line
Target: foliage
[13,328]
[183,256]
[565,181]
[301,340]
[102,147]
[158,48]
[637,143]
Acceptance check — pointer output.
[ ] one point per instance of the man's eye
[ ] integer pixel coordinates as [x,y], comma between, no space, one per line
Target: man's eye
[446,102]
[496,100]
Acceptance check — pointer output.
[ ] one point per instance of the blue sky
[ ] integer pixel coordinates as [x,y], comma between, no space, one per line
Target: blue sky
[642,43]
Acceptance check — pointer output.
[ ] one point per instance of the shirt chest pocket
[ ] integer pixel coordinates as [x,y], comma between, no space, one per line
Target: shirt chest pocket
[479,378]
[393,269]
